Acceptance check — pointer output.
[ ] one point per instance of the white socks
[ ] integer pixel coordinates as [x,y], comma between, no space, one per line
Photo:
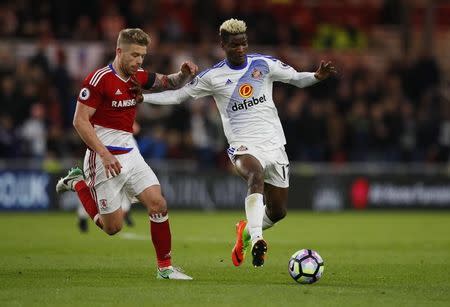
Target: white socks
[254,209]
[267,223]
[257,219]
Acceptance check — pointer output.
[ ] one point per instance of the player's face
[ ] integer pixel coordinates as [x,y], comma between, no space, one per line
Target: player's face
[131,58]
[236,48]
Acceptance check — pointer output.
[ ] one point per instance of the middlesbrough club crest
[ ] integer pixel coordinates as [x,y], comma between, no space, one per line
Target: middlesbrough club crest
[103,203]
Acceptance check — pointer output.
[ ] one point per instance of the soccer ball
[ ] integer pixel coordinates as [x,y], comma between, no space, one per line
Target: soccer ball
[306,266]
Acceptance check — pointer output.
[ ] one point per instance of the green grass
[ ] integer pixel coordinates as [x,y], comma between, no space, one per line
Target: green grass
[371,259]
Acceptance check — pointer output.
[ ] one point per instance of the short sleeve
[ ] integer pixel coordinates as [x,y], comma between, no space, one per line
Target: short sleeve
[146,79]
[282,72]
[199,87]
[90,95]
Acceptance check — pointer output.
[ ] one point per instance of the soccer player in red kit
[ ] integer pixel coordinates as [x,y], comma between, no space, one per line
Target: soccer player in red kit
[115,170]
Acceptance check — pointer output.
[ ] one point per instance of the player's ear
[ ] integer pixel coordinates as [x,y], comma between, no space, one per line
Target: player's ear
[222,41]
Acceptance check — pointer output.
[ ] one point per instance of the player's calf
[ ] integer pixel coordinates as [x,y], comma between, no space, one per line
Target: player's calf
[276,214]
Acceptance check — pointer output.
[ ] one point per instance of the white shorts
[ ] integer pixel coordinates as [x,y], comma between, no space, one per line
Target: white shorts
[275,162]
[110,193]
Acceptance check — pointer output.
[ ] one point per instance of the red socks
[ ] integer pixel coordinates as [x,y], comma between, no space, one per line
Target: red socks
[161,238]
[159,224]
[88,202]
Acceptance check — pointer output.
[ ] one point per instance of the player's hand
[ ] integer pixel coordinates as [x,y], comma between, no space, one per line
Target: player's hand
[136,90]
[189,69]
[111,164]
[325,70]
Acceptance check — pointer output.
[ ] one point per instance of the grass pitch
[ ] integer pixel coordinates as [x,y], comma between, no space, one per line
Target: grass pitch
[371,259]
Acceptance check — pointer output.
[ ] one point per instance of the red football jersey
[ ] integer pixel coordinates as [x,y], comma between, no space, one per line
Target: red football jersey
[110,95]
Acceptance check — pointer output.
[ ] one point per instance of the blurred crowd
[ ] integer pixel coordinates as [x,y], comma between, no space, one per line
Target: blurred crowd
[381,106]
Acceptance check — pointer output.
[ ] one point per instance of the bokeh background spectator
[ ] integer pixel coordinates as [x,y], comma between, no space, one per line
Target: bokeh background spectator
[389,103]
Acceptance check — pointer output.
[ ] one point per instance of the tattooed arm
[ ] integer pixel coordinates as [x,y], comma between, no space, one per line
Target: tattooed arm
[174,81]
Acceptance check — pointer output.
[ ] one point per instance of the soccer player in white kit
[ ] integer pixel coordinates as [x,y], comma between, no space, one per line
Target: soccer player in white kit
[241,86]
[115,171]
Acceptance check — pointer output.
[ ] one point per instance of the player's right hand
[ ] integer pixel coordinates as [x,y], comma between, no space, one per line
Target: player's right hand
[111,164]
[136,89]
[325,71]
[188,69]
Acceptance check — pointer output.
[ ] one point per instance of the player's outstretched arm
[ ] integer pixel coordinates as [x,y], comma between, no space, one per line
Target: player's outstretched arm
[305,79]
[170,82]
[325,70]
[167,97]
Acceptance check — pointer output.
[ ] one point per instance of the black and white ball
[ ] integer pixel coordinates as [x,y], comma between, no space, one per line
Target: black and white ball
[306,266]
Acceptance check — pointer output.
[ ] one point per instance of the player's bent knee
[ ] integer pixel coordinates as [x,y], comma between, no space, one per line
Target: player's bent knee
[113,229]
[282,214]
[278,215]
[158,205]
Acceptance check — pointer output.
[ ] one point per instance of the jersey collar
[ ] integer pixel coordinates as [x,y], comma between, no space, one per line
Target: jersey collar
[239,67]
[117,75]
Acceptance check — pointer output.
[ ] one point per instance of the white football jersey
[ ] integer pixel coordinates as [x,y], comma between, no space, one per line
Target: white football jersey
[244,98]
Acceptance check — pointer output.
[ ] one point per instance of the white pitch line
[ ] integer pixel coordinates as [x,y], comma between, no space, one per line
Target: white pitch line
[133,236]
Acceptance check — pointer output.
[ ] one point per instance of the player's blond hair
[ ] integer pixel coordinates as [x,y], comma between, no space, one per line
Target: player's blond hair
[133,36]
[232,27]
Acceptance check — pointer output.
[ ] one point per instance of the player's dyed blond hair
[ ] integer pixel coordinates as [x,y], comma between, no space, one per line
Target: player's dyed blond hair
[232,27]
[133,36]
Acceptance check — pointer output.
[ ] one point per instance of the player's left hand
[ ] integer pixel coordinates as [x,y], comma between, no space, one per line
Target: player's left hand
[325,71]
[136,90]
[189,69]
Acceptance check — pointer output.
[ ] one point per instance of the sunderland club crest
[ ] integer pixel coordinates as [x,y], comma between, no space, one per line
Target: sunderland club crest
[257,74]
